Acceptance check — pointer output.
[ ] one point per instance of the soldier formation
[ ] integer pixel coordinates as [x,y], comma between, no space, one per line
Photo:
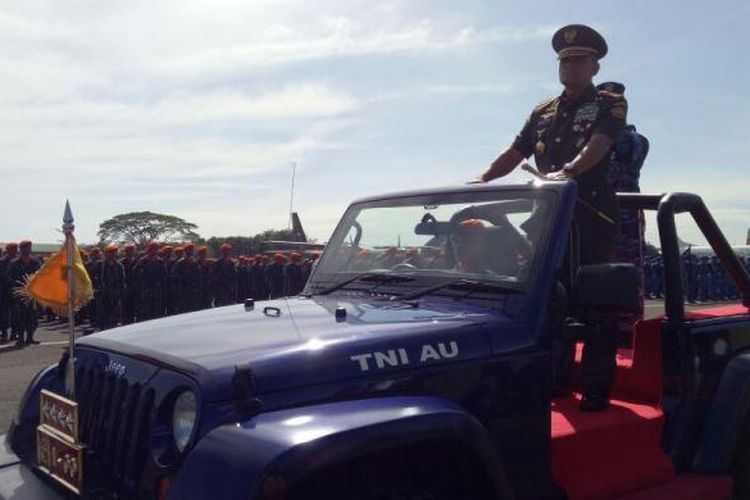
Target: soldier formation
[705,278]
[157,282]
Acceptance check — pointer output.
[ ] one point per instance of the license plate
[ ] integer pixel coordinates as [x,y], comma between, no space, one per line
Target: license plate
[60,459]
[58,452]
[58,414]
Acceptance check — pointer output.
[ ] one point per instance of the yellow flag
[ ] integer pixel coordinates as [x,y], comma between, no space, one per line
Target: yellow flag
[49,285]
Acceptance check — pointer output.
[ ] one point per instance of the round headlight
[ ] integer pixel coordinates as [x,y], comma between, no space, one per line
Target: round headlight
[183,419]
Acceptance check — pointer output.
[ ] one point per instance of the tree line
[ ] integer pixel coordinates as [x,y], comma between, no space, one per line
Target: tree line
[141,228]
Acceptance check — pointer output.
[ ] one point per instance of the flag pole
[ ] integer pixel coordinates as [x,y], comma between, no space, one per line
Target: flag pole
[68,227]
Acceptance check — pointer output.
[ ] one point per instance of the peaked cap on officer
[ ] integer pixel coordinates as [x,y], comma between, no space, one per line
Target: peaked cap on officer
[578,40]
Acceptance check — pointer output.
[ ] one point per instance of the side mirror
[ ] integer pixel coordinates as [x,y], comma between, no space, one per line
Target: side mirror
[608,287]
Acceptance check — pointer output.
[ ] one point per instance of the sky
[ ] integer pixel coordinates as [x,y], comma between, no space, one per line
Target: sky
[199,109]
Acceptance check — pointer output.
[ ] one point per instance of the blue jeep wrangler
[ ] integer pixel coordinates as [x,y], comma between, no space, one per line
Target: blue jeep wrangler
[417,364]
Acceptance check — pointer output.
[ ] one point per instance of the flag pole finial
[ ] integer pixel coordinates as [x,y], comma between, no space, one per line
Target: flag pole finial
[68,227]
[68,219]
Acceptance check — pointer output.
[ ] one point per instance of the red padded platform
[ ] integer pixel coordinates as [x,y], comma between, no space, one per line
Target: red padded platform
[601,455]
[718,312]
[687,487]
[639,375]
[617,453]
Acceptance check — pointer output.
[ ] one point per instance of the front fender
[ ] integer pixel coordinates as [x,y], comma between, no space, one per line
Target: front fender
[729,409]
[22,431]
[232,461]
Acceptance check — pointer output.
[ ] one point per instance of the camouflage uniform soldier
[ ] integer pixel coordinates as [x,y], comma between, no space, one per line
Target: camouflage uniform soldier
[130,299]
[6,290]
[258,280]
[243,278]
[82,314]
[111,290]
[150,276]
[275,276]
[23,315]
[169,301]
[93,267]
[307,266]
[224,272]
[206,292]
[293,275]
[186,282]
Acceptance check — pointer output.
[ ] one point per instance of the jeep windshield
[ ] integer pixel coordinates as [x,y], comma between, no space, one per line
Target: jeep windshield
[458,244]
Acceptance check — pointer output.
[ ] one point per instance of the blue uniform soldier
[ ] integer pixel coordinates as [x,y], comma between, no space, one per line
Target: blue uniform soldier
[571,137]
[626,161]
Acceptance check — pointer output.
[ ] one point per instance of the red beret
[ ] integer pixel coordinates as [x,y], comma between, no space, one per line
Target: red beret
[152,246]
[111,249]
[12,245]
[25,244]
[472,223]
[129,246]
[188,246]
[279,257]
[202,249]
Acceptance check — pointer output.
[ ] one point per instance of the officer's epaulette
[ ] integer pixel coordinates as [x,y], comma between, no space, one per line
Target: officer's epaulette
[545,104]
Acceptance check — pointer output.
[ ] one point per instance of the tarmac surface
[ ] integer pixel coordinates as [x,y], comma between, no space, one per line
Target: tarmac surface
[19,365]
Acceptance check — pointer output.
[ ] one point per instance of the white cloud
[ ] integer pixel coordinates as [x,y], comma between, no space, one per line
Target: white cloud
[178,104]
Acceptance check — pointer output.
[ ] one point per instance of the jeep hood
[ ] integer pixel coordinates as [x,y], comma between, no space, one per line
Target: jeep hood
[299,341]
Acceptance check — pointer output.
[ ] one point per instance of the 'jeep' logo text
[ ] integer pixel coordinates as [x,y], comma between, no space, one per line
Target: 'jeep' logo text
[118,369]
[400,356]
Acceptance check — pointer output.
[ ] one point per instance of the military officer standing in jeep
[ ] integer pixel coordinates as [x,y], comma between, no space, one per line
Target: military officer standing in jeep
[570,137]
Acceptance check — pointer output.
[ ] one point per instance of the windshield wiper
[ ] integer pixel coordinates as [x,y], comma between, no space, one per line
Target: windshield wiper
[472,285]
[384,277]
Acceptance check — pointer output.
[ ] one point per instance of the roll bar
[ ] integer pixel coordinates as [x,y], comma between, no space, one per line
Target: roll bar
[667,205]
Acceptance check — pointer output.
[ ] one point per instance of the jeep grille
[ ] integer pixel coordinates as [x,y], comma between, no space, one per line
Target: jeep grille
[115,425]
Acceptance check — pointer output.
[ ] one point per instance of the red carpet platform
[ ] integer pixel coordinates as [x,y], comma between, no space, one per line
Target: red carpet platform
[617,453]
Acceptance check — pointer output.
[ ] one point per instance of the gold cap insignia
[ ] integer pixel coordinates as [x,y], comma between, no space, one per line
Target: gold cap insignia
[570,35]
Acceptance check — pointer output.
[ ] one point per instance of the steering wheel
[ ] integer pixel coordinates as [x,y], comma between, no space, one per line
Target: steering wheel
[404,266]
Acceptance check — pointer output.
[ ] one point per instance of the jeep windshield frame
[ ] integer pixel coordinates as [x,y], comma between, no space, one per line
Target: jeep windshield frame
[431,238]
